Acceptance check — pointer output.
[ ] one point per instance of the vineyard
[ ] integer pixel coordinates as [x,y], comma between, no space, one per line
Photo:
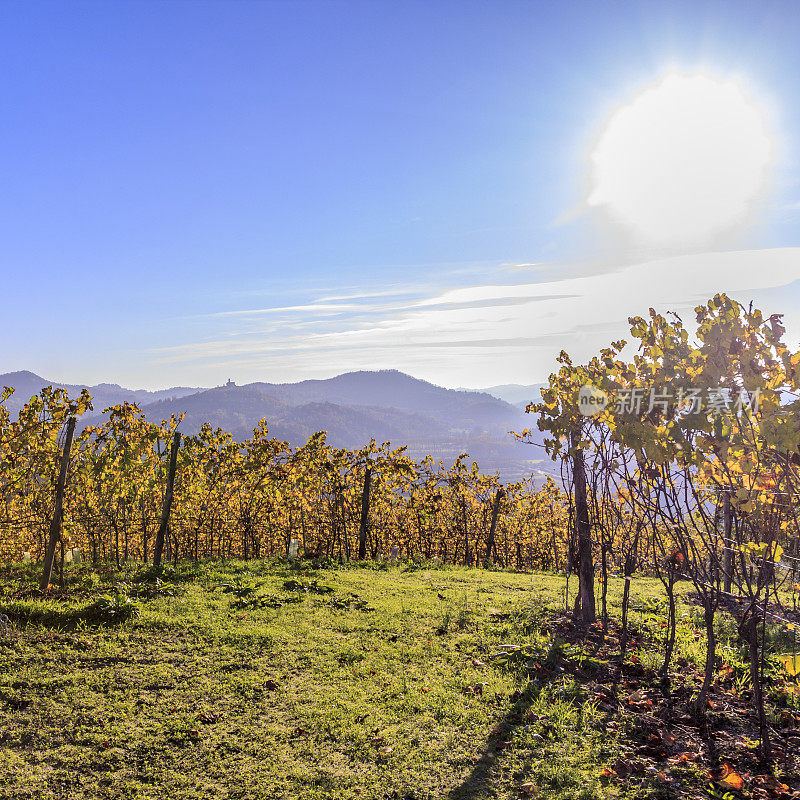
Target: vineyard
[249,499]
[680,465]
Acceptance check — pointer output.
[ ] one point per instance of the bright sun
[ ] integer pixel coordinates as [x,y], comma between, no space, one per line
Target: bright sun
[683,161]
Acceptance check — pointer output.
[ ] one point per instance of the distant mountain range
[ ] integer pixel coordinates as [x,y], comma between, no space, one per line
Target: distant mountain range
[353,408]
[26,384]
[516,393]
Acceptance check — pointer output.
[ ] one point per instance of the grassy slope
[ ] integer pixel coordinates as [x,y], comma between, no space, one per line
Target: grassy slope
[180,703]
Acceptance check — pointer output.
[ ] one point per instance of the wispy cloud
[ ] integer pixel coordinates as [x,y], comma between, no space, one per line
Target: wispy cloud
[311,307]
[570,215]
[370,295]
[477,335]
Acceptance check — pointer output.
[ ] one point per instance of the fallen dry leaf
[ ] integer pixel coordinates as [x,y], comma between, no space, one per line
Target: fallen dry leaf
[730,779]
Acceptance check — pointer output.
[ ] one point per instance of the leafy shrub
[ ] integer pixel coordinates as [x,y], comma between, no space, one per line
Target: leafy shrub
[148,590]
[307,586]
[152,573]
[111,608]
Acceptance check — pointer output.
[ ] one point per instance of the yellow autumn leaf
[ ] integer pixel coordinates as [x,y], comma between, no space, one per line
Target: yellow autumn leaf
[791,663]
[730,778]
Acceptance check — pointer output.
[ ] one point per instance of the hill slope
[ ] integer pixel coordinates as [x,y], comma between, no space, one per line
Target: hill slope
[516,394]
[357,406]
[26,384]
[353,408]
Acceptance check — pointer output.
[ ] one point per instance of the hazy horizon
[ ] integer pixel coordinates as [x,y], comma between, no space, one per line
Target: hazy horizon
[71,381]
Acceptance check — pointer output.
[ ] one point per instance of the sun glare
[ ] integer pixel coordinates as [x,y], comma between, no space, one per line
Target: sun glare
[683,162]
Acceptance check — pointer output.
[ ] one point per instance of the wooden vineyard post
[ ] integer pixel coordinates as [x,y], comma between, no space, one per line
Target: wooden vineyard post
[584,535]
[162,528]
[492,527]
[362,531]
[55,524]
[467,552]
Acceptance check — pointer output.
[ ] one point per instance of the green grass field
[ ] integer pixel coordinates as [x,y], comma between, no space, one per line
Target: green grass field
[249,680]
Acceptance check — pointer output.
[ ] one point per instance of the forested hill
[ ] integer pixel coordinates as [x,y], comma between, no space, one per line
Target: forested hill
[353,408]
[357,406]
[26,384]
[394,389]
[517,394]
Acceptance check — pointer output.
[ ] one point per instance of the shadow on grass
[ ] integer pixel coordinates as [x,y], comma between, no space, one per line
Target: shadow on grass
[477,783]
[111,609]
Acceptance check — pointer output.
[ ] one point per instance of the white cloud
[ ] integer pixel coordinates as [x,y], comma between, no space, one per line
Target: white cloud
[365,295]
[251,312]
[490,334]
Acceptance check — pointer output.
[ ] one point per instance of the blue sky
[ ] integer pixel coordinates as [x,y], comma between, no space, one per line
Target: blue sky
[279,190]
